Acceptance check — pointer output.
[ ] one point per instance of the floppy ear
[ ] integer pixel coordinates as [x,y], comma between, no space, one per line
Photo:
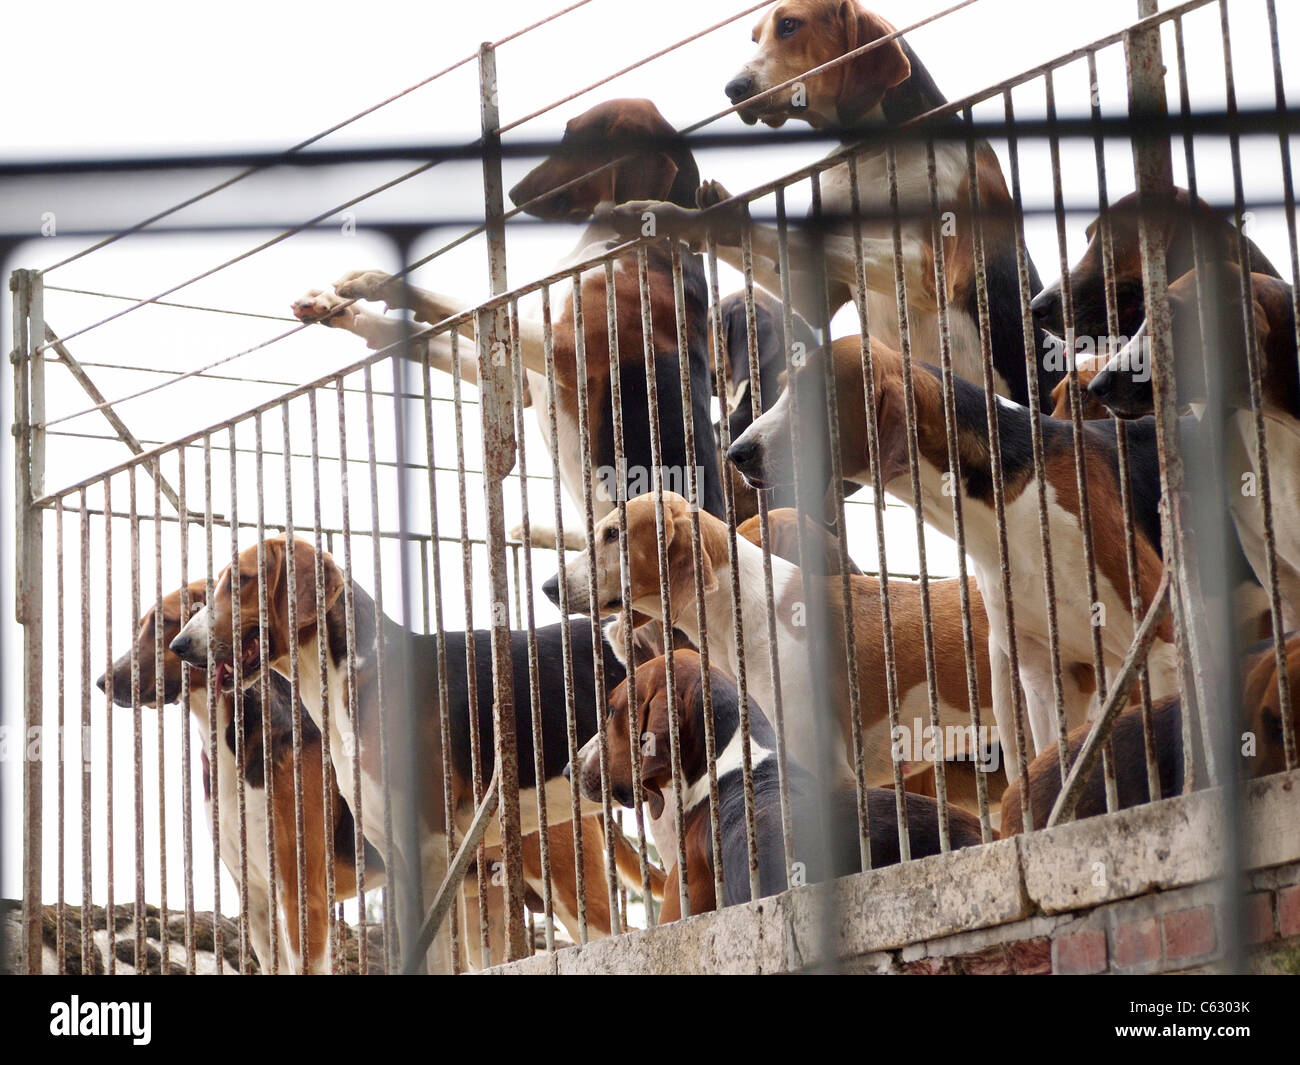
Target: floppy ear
[304,587]
[681,570]
[656,756]
[891,428]
[865,80]
[644,177]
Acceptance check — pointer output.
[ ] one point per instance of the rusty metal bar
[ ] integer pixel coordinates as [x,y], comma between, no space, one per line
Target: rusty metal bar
[240,724]
[625,583]
[29,476]
[353,723]
[878,501]
[1080,477]
[264,691]
[187,752]
[665,595]
[566,635]
[87,746]
[499,448]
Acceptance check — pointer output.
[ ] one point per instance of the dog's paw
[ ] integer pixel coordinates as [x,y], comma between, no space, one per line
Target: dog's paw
[650,218]
[710,194]
[727,224]
[369,285]
[324,307]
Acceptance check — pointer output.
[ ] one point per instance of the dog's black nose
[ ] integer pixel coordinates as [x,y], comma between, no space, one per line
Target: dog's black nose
[568,770]
[100,683]
[739,87]
[552,589]
[742,453]
[1103,386]
[182,645]
[1046,305]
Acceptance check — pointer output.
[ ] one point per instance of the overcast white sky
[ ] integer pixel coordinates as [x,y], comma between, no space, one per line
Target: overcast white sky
[85,80]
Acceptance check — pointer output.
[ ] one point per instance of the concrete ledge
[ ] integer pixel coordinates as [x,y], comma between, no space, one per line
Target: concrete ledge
[1072,869]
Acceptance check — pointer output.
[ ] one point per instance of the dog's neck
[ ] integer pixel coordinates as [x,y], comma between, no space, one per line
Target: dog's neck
[909,99]
[729,739]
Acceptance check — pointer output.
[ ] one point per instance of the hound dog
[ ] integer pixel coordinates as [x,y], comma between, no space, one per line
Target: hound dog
[885,87]
[1262,722]
[810,817]
[666,169]
[1124,386]
[763,454]
[1181,226]
[377,635]
[792,648]
[266,901]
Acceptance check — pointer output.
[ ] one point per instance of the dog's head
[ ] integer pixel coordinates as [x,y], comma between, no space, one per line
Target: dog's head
[158,630]
[580,576]
[797,36]
[230,623]
[600,136]
[1262,705]
[648,725]
[1124,386]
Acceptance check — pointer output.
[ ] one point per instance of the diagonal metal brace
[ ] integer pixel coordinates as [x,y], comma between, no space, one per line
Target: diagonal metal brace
[1068,799]
[446,893]
[82,378]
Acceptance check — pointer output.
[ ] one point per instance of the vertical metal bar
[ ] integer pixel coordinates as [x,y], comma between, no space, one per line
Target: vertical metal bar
[295,688]
[440,644]
[1023,755]
[665,595]
[109,909]
[29,456]
[878,501]
[237,712]
[471,649]
[774,663]
[566,635]
[328,792]
[353,723]
[525,598]
[137,730]
[1154,174]
[212,738]
[187,814]
[625,578]
[1121,430]
[721,366]
[159,673]
[498,457]
[393,917]
[60,945]
[264,691]
[86,746]
[1080,479]
[693,497]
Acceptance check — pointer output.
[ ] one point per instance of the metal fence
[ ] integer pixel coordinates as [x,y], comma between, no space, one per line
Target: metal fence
[317,540]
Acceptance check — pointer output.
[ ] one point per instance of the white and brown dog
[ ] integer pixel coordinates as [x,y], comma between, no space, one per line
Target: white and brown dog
[882,88]
[795,661]
[764,455]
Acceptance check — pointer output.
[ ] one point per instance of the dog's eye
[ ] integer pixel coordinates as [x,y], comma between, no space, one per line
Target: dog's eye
[611,534]
[788,27]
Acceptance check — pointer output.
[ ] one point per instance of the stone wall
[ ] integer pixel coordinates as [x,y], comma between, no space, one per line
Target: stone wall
[1133,892]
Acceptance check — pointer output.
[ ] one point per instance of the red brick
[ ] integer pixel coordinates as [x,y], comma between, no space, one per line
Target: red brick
[1136,943]
[1189,933]
[991,961]
[1259,917]
[928,967]
[1288,911]
[1079,952]
[1031,955]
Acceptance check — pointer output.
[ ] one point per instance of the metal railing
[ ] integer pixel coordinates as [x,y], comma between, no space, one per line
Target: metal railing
[379,763]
